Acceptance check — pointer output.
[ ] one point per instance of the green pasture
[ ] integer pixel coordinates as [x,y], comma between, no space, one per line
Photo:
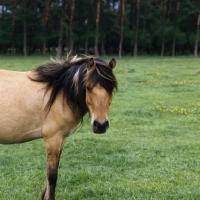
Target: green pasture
[150,152]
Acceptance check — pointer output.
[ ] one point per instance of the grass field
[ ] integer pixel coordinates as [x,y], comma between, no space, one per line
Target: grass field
[151,150]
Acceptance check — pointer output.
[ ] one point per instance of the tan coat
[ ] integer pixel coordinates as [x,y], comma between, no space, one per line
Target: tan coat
[23,118]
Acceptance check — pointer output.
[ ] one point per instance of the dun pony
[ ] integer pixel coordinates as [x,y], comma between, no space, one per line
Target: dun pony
[50,103]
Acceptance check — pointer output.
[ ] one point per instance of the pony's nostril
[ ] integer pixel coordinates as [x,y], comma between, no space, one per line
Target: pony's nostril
[95,123]
[100,127]
[95,126]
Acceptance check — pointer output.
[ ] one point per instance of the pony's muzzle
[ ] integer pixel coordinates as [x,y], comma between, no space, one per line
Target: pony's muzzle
[100,127]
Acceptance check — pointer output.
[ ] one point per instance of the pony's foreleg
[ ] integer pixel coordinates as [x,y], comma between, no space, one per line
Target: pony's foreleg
[53,151]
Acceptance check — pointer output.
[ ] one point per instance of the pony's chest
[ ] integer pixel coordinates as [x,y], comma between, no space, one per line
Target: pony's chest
[61,120]
[60,126]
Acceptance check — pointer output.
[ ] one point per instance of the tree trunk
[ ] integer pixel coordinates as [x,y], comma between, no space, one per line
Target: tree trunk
[197,37]
[44,42]
[86,39]
[136,28]
[25,31]
[121,13]
[64,19]
[34,4]
[163,28]
[25,40]
[46,22]
[3,24]
[97,29]
[169,8]
[60,42]
[103,52]
[13,29]
[3,7]
[131,15]
[175,27]
[71,40]
[88,26]
[145,14]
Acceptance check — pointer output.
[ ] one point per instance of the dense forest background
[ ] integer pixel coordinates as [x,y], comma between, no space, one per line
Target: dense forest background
[100,27]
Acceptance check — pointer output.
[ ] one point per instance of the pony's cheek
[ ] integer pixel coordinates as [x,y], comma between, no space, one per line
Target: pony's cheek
[91,112]
[89,106]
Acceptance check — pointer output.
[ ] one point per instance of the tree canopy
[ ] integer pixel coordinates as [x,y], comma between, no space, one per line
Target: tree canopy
[104,27]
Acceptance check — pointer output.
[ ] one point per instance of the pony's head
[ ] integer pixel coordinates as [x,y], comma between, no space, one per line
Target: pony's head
[100,83]
[87,83]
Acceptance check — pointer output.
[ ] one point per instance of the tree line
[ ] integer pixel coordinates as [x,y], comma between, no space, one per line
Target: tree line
[100,27]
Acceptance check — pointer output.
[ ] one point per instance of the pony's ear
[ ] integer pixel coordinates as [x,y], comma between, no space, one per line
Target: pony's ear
[90,63]
[112,63]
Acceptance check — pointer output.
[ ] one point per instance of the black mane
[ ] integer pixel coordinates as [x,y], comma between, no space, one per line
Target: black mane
[61,76]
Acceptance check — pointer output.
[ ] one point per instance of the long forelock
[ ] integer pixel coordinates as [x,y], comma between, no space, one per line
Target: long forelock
[102,75]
